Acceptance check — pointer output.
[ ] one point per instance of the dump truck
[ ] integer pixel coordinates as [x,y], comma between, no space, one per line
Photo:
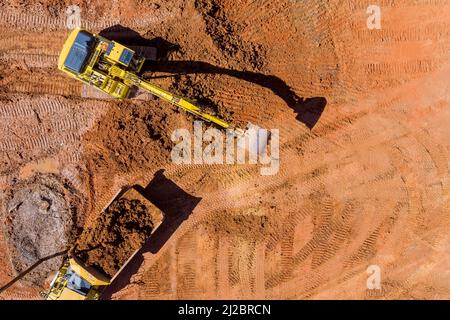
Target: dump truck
[82,279]
[115,69]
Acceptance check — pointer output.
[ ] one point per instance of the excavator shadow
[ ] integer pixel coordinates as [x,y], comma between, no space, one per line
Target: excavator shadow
[176,204]
[308,110]
[133,39]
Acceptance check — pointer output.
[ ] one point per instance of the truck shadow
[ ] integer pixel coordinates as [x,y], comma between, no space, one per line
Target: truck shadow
[308,110]
[176,204]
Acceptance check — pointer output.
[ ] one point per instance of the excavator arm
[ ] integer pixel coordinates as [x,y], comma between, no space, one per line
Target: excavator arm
[132,79]
[180,102]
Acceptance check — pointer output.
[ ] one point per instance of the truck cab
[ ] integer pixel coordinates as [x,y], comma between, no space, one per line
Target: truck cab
[74,282]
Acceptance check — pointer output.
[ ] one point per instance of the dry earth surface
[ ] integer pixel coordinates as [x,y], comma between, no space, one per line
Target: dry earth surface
[364,147]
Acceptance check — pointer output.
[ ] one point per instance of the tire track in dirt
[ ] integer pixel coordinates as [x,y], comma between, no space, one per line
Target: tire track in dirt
[316,284]
[72,174]
[339,237]
[222,266]
[260,286]
[434,32]
[242,263]
[367,248]
[52,122]
[46,43]
[35,60]
[158,279]
[43,142]
[26,21]
[362,4]
[186,264]
[24,106]
[285,271]
[34,85]
[327,130]
[233,266]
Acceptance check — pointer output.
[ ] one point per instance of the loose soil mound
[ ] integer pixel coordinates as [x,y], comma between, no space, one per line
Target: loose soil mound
[134,134]
[121,230]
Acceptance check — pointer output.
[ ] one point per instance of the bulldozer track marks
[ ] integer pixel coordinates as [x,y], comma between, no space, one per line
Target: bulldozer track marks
[31,21]
[186,264]
[434,32]
[247,271]
[223,253]
[286,253]
[56,130]
[25,21]
[15,43]
[58,112]
[260,284]
[27,107]
[24,107]
[410,67]
[327,236]
[43,142]
[158,277]
[365,251]
[435,151]
[32,60]
[38,84]
[152,287]
[73,175]
[362,5]
[340,231]
[70,157]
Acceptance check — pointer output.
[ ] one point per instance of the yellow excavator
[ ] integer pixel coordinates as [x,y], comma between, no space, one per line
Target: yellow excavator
[114,69]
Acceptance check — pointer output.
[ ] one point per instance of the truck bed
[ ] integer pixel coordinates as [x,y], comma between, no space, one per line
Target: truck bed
[119,232]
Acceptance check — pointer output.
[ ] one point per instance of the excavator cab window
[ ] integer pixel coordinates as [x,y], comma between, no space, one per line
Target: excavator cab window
[80,52]
[76,283]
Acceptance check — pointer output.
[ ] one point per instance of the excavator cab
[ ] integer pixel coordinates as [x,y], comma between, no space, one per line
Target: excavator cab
[99,62]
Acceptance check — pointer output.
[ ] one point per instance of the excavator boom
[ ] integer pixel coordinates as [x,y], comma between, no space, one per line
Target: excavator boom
[179,102]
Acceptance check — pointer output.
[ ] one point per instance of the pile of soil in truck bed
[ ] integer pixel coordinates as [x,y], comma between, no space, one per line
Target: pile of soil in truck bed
[122,228]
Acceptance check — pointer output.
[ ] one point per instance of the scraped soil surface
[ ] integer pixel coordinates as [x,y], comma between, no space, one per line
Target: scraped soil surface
[41,220]
[121,230]
[364,147]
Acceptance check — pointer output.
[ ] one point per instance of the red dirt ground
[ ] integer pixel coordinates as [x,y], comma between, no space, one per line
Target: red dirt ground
[368,184]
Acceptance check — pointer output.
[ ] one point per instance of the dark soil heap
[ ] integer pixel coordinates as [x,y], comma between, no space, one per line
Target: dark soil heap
[120,230]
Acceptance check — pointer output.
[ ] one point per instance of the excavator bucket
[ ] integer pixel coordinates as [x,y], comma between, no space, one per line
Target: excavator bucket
[256,140]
